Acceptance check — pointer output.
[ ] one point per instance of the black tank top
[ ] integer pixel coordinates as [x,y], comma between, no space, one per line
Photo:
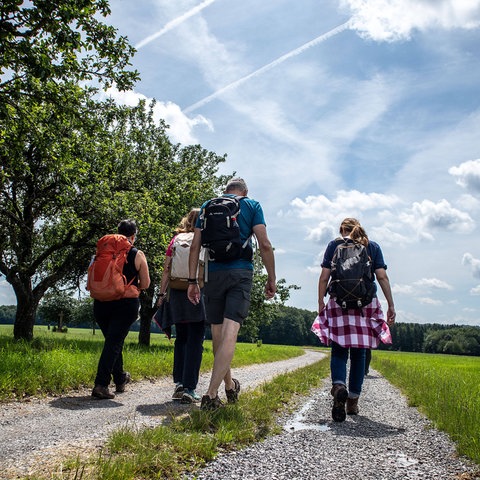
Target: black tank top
[129,269]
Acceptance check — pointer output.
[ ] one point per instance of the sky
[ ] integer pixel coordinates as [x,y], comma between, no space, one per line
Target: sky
[340,108]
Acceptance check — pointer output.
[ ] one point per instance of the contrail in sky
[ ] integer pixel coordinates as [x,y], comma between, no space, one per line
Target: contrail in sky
[173,23]
[269,66]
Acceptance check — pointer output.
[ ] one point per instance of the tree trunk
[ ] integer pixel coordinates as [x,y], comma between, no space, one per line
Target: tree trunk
[25,317]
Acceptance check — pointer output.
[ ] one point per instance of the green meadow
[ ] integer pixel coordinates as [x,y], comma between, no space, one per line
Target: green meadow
[446,388]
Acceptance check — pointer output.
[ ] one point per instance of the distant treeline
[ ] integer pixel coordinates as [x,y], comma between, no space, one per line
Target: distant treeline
[292,327]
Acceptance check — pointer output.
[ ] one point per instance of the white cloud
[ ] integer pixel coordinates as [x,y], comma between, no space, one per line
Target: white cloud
[469,202]
[475,290]
[429,301]
[427,215]
[474,263]
[468,175]
[393,20]
[434,283]
[346,203]
[180,126]
[402,289]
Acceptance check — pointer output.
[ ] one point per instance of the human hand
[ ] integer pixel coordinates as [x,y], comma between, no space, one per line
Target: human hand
[193,293]
[391,314]
[270,289]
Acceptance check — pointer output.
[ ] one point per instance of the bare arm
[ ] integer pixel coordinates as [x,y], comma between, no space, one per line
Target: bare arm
[193,291]
[322,288]
[384,282]
[142,267]
[266,252]
[164,281]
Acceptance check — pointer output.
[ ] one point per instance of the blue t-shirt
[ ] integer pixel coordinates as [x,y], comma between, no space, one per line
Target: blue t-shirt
[373,249]
[251,214]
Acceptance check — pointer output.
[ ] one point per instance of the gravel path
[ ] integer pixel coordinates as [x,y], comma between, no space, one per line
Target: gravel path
[388,440]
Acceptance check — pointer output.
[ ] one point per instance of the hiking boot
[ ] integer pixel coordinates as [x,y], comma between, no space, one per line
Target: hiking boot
[120,387]
[190,396]
[340,396]
[232,395]
[352,406]
[210,403]
[101,392]
[178,392]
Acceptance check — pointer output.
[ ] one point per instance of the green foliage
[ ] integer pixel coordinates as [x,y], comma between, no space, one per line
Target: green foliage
[445,387]
[457,341]
[57,307]
[70,179]
[7,313]
[47,43]
[291,326]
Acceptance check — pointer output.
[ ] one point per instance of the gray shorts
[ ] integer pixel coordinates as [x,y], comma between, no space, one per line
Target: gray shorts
[227,295]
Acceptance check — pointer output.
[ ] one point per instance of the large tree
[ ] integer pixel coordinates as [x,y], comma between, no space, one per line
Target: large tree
[71,167]
[66,180]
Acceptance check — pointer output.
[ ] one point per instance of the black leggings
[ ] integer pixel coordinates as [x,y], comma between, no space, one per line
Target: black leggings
[114,319]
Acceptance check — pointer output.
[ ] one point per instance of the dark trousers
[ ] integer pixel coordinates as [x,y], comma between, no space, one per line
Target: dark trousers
[187,353]
[338,367]
[114,319]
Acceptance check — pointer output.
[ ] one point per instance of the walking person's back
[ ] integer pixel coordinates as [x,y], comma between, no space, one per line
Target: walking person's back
[352,320]
[229,281]
[115,315]
[189,319]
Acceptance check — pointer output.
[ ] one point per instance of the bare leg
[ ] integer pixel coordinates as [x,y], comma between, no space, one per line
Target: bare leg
[224,338]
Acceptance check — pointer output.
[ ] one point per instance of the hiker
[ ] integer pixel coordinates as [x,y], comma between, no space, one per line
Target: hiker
[115,317]
[189,319]
[350,331]
[229,281]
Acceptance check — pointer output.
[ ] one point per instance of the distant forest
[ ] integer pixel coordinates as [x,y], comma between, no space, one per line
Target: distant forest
[291,326]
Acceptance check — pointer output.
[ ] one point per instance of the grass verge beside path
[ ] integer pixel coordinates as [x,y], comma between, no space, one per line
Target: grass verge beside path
[446,388]
[54,363]
[188,442]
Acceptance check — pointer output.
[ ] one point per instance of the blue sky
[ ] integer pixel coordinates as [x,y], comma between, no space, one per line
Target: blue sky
[331,109]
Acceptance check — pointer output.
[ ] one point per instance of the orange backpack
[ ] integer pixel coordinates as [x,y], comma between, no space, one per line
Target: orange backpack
[105,279]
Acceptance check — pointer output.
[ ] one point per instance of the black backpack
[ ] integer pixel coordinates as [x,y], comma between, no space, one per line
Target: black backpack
[352,283]
[220,230]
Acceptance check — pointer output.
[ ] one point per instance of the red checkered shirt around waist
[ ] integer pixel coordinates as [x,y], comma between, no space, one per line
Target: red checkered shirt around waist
[364,328]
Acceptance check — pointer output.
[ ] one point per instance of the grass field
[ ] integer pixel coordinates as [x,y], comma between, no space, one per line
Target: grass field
[58,362]
[446,388]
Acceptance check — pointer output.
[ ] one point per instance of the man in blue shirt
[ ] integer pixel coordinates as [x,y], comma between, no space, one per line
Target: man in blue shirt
[227,291]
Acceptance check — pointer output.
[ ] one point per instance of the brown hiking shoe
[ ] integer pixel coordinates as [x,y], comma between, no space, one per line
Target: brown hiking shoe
[120,387]
[352,406]
[101,392]
[210,403]
[232,395]
[340,395]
